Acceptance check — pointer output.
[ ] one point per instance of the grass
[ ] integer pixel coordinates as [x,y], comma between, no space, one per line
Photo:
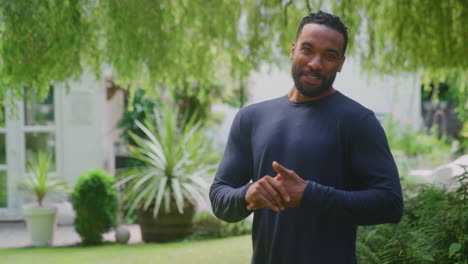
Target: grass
[228,250]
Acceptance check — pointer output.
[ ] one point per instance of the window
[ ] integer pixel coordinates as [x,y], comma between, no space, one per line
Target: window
[39,126]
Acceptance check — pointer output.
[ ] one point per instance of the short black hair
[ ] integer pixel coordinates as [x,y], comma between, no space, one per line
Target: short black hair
[328,20]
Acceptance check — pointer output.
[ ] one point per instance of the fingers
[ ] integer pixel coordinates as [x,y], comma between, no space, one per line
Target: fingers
[253,207]
[267,192]
[280,188]
[282,170]
[275,191]
[285,190]
[260,202]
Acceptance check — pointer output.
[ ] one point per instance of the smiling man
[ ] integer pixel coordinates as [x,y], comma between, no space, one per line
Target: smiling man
[311,165]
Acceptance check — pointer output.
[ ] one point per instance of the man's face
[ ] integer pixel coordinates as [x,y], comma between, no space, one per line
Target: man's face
[317,56]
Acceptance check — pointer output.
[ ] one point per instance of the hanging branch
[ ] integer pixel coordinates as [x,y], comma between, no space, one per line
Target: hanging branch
[308,6]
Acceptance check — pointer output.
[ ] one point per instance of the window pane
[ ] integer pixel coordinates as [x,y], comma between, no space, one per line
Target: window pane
[37,113]
[2,149]
[3,189]
[36,142]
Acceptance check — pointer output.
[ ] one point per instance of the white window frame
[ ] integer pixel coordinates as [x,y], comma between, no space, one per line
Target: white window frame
[15,131]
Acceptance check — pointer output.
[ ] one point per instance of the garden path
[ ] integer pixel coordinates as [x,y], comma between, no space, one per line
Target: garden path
[15,235]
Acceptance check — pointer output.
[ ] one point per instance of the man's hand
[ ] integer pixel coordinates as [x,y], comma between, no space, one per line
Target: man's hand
[293,184]
[267,192]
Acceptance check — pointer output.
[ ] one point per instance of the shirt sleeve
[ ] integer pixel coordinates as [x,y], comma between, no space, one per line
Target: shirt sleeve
[227,193]
[380,200]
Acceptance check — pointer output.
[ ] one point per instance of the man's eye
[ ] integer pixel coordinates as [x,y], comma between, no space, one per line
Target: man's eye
[306,50]
[331,56]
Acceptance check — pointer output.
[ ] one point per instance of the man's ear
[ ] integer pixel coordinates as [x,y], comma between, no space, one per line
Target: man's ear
[342,62]
[293,49]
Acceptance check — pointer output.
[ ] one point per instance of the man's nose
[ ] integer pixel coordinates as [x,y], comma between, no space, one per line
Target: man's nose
[315,62]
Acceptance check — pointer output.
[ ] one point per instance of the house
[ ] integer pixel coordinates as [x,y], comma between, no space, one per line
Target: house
[76,124]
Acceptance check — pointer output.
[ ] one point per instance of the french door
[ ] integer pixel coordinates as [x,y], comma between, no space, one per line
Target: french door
[25,129]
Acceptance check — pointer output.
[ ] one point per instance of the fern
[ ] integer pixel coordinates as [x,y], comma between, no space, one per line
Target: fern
[433,230]
[366,254]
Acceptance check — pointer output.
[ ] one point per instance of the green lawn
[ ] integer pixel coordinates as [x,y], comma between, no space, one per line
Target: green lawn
[229,250]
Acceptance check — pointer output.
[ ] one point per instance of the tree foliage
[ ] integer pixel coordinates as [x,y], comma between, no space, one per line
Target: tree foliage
[427,37]
[168,44]
[42,42]
[212,46]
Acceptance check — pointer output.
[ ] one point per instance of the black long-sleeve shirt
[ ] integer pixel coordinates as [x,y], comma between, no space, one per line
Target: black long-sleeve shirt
[339,148]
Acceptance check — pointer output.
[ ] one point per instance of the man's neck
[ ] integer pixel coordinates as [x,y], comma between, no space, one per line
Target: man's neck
[295,96]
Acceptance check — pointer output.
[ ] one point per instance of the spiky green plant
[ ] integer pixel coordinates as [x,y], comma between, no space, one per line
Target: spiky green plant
[176,159]
[39,181]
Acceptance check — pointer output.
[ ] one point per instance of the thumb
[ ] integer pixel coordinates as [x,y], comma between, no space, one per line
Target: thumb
[280,169]
[279,177]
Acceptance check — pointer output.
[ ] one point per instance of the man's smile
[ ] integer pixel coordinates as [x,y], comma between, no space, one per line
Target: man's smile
[311,78]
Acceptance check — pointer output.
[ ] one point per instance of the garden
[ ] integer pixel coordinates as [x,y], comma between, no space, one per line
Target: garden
[433,228]
[173,62]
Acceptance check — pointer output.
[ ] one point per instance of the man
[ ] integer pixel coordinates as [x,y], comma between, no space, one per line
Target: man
[311,165]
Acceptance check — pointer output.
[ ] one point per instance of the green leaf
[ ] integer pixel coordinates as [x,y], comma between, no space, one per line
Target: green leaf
[40,182]
[428,258]
[454,248]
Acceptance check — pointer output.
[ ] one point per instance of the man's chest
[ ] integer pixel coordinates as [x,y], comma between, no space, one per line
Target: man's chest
[309,146]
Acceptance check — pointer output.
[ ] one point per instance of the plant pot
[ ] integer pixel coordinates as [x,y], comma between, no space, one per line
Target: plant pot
[167,226]
[41,224]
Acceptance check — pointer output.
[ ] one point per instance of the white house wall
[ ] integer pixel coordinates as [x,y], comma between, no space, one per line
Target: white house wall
[399,96]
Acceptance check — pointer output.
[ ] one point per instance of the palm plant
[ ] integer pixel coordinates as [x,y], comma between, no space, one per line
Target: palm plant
[176,159]
[40,182]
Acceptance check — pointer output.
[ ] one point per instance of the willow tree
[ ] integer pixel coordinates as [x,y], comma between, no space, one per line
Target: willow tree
[208,46]
[425,37]
[212,46]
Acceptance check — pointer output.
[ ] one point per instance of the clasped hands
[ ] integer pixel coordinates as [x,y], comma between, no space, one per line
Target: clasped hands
[277,193]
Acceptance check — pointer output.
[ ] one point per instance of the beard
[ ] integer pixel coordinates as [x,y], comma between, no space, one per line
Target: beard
[309,91]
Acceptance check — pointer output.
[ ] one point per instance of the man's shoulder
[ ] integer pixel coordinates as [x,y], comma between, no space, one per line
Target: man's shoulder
[349,108]
[354,117]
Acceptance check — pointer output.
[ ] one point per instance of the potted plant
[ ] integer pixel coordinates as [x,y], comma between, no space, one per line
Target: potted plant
[40,218]
[176,159]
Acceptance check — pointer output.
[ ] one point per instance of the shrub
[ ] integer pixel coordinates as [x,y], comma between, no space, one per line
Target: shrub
[206,225]
[139,107]
[414,149]
[412,142]
[95,201]
[433,230]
